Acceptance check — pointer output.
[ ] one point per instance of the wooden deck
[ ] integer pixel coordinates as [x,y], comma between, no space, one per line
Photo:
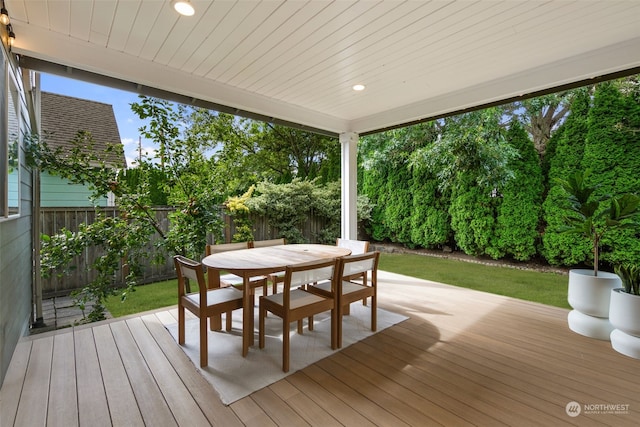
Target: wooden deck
[463,358]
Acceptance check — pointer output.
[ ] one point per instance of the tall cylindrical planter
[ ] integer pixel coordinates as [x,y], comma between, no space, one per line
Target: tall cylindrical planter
[589,296]
[624,315]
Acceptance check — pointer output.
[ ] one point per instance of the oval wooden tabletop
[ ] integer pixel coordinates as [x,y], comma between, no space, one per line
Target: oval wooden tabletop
[272,258]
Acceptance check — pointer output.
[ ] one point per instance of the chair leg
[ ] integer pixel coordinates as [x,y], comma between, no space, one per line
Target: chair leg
[374,313]
[346,310]
[364,283]
[300,327]
[285,345]
[229,318]
[181,325]
[339,326]
[310,321]
[204,348]
[334,328]
[261,314]
[216,322]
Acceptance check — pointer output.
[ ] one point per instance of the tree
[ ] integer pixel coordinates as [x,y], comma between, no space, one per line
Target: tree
[471,162]
[562,248]
[612,154]
[190,182]
[121,237]
[287,207]
[237,208]
[541,116]
[386,178]
[245,151]
[124,239]
[518,213]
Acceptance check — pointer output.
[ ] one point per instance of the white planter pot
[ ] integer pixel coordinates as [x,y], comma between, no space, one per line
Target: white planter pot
[590,296]
[625,344]
[624,312]
[624,315]
[589,326]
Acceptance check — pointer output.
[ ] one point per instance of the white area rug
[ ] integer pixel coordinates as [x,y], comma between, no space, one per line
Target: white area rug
[235,377]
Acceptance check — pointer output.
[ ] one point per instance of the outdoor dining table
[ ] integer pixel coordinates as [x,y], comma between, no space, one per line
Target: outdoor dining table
[248,263]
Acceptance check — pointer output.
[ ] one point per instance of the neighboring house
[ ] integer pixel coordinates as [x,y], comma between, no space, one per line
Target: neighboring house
[62,118]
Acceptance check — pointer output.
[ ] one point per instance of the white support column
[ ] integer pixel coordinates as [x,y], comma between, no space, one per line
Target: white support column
[349,163]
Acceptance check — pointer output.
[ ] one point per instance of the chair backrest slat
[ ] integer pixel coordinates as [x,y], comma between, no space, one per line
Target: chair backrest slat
[356,246]
[224,247]
[310,272]
[358,266]
[299,278]
[188,270]
[355,264]
[270,242]
[189,273]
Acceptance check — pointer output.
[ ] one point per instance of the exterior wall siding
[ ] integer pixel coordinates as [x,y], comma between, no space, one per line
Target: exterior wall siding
[16,244]
[59,192]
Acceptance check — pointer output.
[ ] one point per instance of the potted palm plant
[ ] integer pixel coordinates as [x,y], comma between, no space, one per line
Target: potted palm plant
[594,217]
[624,311]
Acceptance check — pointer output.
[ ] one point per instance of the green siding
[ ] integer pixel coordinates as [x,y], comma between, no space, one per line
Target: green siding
[58,192]
[16,247]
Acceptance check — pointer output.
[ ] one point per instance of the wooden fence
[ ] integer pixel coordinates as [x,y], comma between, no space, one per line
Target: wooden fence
[55,219]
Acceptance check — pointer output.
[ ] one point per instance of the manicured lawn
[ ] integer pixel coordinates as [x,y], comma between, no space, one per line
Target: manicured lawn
[542,287]
[545,288]
[145,298]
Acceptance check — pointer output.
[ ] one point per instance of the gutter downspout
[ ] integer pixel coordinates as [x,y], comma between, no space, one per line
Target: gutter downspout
[31,85]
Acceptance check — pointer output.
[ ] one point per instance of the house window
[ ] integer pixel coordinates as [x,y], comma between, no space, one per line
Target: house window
[10,142]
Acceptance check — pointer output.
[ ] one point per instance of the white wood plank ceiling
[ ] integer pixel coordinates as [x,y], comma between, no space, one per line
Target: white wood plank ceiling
[298,60]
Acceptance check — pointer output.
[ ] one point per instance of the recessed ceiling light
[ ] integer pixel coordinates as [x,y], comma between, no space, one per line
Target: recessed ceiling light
[358,87]
[183,7]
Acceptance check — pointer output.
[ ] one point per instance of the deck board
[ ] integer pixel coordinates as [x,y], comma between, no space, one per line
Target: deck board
[93,408]
[327,401]
[153,408]
[63,405]
[11,391]
[122,403]
[31,411]
[462,358]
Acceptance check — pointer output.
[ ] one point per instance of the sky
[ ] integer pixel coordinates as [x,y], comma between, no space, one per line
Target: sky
[128,122]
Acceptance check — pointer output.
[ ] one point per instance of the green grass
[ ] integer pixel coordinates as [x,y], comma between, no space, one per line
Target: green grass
[145,298]
[545,288]
[542,287]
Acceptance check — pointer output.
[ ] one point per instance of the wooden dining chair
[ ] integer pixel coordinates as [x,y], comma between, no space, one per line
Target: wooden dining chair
[230,279]
[277,277]
[294,303]
[204,304]
[270,242]
[348,291]
[357,247]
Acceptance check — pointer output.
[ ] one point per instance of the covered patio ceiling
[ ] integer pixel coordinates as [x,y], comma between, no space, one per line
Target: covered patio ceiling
[295,62]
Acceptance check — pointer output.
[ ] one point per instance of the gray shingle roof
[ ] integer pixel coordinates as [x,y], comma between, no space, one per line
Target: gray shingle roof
[64,116]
